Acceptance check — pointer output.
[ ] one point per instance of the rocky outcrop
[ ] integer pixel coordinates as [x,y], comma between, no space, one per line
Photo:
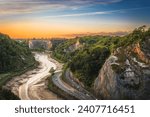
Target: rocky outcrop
[74,47]
[40,44]
[125,74]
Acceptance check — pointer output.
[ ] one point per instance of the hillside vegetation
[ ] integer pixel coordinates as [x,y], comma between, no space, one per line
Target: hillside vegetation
[126,73]
[15,58]
[86,60]
[14,55]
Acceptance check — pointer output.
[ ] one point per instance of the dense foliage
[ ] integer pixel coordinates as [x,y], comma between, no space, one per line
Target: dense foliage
[56,42]
[14,55]
[64,51]
[87,60]
[7,95]
[87,63]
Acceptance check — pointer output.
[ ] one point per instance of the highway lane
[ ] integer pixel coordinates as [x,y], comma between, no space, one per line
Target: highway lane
[74,82]
[72,88]
[78,94]
[32,85]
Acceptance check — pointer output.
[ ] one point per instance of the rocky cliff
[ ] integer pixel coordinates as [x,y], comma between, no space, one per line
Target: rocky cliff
[40,44]
[126,73]
[73,47]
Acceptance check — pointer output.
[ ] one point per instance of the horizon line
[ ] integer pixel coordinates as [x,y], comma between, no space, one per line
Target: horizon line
[71,36]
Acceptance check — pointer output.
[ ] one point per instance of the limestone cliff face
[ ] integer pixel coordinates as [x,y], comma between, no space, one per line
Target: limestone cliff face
[126,74]
[74,47]
[40,44]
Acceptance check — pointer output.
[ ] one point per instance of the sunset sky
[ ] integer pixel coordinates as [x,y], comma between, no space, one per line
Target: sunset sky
[62,18]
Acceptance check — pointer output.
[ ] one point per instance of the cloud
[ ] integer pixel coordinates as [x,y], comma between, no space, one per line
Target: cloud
[96,13]
[27,6]
[84,14]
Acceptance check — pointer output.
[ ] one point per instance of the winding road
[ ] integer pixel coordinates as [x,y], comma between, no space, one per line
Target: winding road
[75,90]
[32,85]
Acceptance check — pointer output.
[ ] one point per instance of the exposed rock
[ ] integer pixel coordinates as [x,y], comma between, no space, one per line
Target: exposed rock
[40,44]
[125,74]
[140,53]
[74,47]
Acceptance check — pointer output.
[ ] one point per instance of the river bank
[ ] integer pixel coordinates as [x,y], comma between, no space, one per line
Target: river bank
[32,84]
